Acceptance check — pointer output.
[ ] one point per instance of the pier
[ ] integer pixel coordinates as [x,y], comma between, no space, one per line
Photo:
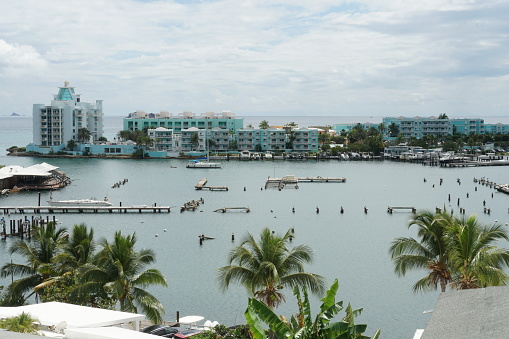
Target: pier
[201,186]
[391,208]
[293,181]
[226,209]
[83,209]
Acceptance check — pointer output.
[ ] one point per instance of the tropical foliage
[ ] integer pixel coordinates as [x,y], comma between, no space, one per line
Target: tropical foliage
[38,266]
[84,134]
[455,251]
[268,266]
[65,267]
[22,323]
[119,270]
[264,124]
[303,325]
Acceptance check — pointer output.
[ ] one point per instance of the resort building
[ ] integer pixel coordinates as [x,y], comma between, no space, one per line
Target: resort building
[198,140]
[419,127]
[305,139]
[163,139]
[140,120]
[496,128]
[59,122]
[468,126]
[261,140]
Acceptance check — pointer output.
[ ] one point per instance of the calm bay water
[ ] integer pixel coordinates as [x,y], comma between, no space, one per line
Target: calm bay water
[351,246]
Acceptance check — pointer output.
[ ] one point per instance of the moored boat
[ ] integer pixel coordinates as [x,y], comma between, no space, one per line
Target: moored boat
[202,164]
[80,202]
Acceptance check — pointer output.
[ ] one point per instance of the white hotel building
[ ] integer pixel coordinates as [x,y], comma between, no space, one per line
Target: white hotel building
[56,124]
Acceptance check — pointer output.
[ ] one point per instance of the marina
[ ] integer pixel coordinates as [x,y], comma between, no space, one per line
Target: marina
[351,246]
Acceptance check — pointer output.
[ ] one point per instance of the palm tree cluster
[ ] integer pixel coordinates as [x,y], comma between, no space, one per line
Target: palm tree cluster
[66,267]
[458,252]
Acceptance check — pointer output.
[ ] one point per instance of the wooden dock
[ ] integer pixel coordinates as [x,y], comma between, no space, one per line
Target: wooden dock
[320,179]
[83,209]
[391,208]
[226,209]
[293,181]
[201,186]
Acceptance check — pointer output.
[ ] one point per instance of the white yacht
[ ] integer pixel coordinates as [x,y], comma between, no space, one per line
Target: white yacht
[80,202]
[202,164]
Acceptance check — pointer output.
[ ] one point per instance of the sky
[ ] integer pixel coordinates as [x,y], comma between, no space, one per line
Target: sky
[259,58]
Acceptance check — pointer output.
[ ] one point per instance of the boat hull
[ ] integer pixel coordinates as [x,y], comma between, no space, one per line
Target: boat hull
[82,202]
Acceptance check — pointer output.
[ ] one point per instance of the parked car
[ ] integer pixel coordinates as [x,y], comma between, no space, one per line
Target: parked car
[187,333]
[161,330]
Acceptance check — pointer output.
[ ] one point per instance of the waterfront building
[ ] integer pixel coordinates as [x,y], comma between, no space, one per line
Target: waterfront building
[305,139]
[261,140]
[55,124]
[163,139]
[216,139]
[496,128]
[140,120]
[419,127]
[468,126]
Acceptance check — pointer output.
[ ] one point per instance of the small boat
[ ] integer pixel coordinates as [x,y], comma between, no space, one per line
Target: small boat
[268,156]
[79,202]
[202,164]
[245,155]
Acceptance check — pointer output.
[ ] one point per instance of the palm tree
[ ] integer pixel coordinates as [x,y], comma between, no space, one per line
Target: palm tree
[84,134]
[268,266]
[429,252]
[71,145]
[120,271]
[393,130]
[22,323]
[38,256]
[475,259]
[78,249]
[264,124]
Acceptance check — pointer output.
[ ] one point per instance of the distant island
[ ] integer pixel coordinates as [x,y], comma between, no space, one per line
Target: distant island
[15,114]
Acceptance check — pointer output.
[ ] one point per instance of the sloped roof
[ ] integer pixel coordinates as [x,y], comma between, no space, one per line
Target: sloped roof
[39,170]
[475,313]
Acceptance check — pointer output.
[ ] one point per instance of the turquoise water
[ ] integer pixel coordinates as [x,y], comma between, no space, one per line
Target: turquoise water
[351,246]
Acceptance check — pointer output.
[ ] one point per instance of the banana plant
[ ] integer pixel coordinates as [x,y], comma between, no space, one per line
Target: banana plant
[303,325]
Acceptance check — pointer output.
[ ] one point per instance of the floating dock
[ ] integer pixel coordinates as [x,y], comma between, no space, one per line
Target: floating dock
[83,209]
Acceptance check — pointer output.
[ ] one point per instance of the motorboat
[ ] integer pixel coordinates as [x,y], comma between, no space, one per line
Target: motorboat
[245,155]
[255,156]
[268,156]
[202,164]
[80,202]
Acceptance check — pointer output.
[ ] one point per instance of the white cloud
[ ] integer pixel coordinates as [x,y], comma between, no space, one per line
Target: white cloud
[372,57]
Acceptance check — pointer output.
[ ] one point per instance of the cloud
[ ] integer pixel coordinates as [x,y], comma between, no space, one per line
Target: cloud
[263,57]
[19,60]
